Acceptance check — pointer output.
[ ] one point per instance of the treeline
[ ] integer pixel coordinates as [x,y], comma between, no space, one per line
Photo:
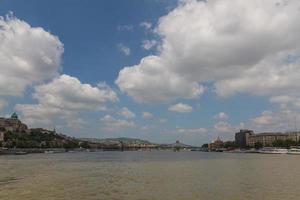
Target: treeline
[285,143]
[226,145]
[280,143]
[277,143]
[37,139]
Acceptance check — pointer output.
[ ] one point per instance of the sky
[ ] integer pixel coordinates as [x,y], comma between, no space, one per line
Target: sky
[161,70]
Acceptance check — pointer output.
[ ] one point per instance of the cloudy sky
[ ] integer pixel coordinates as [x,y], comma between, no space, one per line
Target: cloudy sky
[162,70]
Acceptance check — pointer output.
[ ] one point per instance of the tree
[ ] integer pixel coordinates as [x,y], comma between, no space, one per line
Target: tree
[229,145]
[258,145]
[84,145]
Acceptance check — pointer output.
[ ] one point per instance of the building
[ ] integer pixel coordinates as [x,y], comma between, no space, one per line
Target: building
[267,139]
[216,145]
[241,138]
[12,124]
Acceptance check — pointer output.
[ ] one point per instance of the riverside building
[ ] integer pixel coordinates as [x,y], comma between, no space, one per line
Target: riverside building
[267,139]
[215,145]
[248,138]
[241,138]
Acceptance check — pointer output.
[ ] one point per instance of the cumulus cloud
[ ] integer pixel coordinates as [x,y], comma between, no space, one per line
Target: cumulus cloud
[65,96]
[180,107]
[124,49]
[192,131]
[146,25]
[69,93]
[224,127]
[28,55]
[147,115]
[112,124]
[236,45]
[149,44]
[125,112]
[221,116]
[38,115]
[151,82]
[282,120]
[148,127]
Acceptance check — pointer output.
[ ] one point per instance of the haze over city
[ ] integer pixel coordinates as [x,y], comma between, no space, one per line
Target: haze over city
[163,71]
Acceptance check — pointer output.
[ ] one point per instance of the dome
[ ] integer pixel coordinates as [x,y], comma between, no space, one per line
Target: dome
[14,116]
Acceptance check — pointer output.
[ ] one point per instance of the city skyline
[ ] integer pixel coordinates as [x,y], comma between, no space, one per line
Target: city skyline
[158,70]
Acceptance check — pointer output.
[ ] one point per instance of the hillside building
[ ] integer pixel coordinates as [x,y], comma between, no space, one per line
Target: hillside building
[12,124]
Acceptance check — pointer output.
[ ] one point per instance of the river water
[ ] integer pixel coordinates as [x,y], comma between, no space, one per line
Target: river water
[152,175]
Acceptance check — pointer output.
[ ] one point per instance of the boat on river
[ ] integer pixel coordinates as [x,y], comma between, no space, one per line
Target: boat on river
[20,153]
[270,150]
[294,151]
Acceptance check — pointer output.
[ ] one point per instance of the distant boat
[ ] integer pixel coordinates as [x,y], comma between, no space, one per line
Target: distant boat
[20,153]
[251,151]
[49,152]
[270,150]
[294,151]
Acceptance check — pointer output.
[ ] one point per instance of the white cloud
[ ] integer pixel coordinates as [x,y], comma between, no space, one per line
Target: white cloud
[28,55]
[180,107]
[112,124]
[125,112]
[224,127]
[192,131]
[151,82]
[149,44]
[64,97]
[236,45]
[38,115]
[148,127]
[124,49]
[147,115]
[282,120]
[68,92]
[265,118]
[221,116]
[146,25]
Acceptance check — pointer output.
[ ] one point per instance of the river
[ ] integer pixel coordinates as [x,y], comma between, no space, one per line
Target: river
[156,175]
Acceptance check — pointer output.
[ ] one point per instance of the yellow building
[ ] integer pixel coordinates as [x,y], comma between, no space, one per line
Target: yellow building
[267,139]
[215,145]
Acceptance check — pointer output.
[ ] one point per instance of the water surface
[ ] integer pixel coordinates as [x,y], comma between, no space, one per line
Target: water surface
[149,176]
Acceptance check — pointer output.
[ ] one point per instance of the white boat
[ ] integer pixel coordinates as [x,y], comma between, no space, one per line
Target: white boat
[49,152]
[294,151]
[270,150]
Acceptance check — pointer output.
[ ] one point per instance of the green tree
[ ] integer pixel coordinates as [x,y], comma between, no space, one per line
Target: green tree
[229,145]
[258,145]
[84,145]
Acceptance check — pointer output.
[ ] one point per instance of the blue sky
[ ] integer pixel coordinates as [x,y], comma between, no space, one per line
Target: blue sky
[160,70]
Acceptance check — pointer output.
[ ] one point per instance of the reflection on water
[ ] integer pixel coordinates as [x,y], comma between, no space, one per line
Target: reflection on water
[149,176]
